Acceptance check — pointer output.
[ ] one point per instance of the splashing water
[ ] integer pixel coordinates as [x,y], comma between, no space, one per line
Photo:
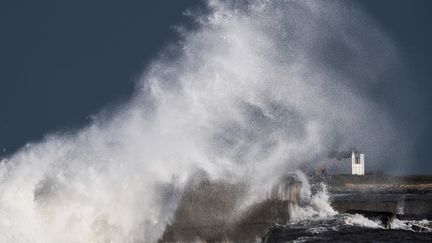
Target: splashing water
[360,220]
[256,90]
[315,206]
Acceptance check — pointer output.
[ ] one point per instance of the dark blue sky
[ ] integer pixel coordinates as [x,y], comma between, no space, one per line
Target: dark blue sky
[61,61]
[408,23]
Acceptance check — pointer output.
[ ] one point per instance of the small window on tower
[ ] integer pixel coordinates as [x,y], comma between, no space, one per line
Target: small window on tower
[357,160]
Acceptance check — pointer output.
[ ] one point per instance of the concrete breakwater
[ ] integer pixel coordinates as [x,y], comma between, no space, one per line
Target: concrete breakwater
[404,206]
[405,197]
[212,212]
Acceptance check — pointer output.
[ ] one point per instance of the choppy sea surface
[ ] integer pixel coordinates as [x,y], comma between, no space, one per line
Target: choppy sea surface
[350,228]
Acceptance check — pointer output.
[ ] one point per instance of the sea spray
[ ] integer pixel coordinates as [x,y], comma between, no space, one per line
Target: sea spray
[312,206]
[256,90]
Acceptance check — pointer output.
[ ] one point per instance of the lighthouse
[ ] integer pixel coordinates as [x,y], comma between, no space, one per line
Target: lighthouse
[357,163]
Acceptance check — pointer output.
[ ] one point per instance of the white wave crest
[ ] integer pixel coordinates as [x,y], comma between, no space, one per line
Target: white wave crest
[360,220]
[316,206]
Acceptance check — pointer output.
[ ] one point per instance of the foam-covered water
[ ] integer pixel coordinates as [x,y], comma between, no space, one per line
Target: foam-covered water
[348,228]
[256,90]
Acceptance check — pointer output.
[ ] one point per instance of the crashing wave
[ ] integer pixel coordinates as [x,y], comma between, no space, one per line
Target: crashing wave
[256,90]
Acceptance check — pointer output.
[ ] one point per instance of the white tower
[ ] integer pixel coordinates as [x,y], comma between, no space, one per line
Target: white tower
[357,163]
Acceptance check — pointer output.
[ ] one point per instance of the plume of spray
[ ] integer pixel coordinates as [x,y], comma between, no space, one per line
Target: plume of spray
[259,88]
[315,206]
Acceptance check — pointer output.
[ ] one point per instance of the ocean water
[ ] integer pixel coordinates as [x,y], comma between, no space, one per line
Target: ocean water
[349,228]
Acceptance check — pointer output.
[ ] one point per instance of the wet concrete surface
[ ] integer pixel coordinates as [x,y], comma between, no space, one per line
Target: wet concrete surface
[405,206]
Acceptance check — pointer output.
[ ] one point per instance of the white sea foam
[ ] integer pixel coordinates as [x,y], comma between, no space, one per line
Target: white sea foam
[312,206]
[256,90]
[317,230]
[426,225]
[360,220]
